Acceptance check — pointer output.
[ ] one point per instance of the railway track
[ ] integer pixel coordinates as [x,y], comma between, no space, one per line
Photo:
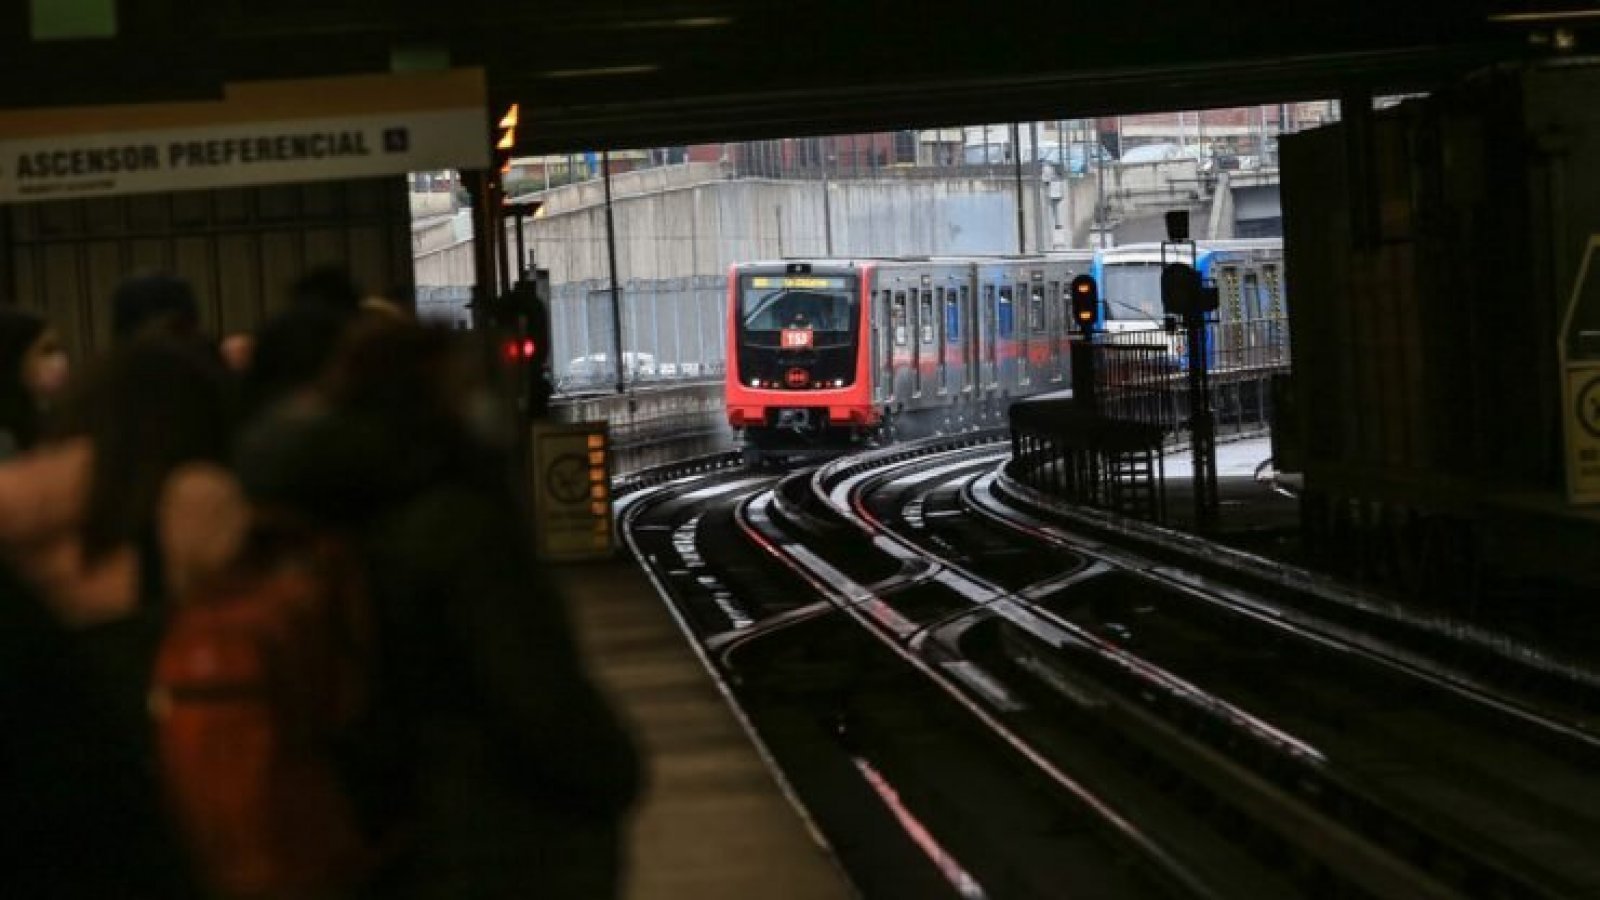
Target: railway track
[1189,725]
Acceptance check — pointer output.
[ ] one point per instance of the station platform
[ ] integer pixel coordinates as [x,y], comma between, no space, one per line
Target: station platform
[715,822]
[1251,515]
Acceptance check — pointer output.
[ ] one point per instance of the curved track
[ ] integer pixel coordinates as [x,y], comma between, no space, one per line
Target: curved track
[1226,743]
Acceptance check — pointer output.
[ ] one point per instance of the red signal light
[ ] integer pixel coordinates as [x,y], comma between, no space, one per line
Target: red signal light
[520,349]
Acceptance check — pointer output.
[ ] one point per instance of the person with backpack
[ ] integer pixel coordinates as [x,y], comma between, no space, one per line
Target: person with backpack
[258,682]
[491,760]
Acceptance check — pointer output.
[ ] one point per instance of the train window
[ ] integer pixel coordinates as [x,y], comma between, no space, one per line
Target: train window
[925,317]
[952,318]
[898,317]
[1036,311]
[1006,314]
[765,308]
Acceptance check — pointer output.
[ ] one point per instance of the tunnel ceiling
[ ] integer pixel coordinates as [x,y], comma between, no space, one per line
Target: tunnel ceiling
[630,73]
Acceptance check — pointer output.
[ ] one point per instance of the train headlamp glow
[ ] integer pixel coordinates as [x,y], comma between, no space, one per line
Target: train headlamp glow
[838,382]
[755,382]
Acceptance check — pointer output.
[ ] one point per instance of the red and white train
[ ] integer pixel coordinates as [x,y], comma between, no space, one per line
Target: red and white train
[823,354]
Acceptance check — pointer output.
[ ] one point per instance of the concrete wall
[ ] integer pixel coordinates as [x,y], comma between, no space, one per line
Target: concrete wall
[445,266]
[678,230]
[692,221]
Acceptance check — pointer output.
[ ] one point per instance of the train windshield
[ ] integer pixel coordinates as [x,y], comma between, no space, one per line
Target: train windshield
[1132,291]
[771,304]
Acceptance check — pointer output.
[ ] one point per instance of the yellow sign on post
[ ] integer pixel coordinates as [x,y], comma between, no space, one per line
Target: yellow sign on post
[1582,398]
[1579,350]
[572,491]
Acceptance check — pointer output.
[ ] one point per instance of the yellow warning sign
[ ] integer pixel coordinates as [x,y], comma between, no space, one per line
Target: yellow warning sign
[1579,350]
[572,491]
[1582,398]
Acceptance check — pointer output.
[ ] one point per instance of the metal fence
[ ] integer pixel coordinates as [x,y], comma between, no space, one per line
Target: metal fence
[672,328]
[445,306]
[1140,376]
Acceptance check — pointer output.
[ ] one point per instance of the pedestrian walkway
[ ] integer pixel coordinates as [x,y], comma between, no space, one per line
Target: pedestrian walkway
[715,823]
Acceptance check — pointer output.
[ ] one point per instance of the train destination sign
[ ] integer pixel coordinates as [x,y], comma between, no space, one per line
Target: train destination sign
[800,281]
[797,339]
[259,133]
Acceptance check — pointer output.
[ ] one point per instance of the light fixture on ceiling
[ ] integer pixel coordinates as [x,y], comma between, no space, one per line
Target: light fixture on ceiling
[678,22]
[602,71]
[1539,17]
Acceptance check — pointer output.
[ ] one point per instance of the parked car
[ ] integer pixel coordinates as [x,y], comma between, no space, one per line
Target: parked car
[1153,153]
[598,366]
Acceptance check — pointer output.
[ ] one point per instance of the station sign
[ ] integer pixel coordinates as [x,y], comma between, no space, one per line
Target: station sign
[572,491]
[270,132]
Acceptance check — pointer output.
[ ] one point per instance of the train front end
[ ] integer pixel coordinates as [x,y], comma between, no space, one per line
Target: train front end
[797,383]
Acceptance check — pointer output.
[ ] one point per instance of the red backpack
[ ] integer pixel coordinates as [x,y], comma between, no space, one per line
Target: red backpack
[255,682]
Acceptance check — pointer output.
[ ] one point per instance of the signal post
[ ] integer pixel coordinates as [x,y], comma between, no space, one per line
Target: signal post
[1184,295]
[1085,295]
[568,465]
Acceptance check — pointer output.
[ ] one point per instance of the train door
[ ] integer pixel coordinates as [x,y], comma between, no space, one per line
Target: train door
[882,348]
[913,346]
[1056,325]
[1024,336]
[899,320]
[967,333]
[1275,329]
[1227,344]
[986,335]
[1252,311]
[1038,334]
[1006,335]
[941,322]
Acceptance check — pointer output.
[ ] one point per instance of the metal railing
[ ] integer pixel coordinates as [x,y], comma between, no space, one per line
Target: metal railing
[1141,376]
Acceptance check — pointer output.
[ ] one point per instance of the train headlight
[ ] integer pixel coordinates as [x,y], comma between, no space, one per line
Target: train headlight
[755,382]
[838,382]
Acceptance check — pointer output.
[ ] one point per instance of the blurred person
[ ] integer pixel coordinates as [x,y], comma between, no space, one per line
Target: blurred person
[292,349]
[237,351]
[328,287]
[83,819]
[493,756]
[79,525]
[33,372]
[383,306]
[79,516]
[155,302]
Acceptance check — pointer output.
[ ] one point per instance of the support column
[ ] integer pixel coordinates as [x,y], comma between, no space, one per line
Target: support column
[616,292]
[1016,164]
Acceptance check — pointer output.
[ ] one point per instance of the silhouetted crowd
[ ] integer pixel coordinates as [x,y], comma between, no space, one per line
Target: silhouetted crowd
[272,623]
